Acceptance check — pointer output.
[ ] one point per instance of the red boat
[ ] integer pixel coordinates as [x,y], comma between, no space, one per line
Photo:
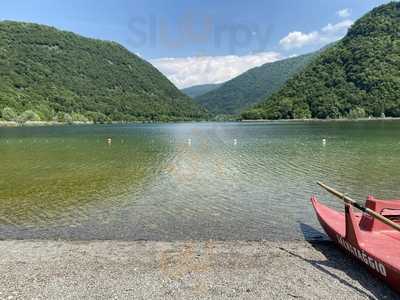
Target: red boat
[369,240]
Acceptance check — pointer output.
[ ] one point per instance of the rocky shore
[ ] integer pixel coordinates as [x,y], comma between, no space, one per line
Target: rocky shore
[182,270]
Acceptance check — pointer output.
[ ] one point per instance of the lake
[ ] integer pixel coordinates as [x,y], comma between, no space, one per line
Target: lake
[222,181]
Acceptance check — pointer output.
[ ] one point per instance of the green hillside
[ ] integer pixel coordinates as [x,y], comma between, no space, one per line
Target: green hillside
[50,74]
[252,87]
[198,90]
[357,77]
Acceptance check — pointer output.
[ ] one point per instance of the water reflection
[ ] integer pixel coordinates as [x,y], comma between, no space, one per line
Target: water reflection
[187,181]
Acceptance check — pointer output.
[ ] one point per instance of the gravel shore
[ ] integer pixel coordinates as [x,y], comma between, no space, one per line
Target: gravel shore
[182,270]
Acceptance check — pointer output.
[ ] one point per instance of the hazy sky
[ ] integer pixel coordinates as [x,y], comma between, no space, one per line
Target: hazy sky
[207,41]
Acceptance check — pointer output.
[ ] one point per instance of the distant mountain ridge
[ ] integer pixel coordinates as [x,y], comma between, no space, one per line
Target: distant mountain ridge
[251,87]
[53,73]
[357,77]
[199,90]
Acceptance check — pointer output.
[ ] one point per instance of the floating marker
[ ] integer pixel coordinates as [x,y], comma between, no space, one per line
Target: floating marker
[109,141]
[235,141]
[189,141]
[324,141]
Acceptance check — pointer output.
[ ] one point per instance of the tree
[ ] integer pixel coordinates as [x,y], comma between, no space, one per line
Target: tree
[28,115]
[78,117]
[68,118]
[50,71]
[98,118]
[8,114]
[357,113]
[357,76]
[45,112]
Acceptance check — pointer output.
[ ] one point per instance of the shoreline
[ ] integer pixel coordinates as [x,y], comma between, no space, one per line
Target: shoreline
[183,270]
[12,124]
[320,120]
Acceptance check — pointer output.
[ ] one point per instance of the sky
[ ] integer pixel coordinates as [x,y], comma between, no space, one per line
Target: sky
[200,41]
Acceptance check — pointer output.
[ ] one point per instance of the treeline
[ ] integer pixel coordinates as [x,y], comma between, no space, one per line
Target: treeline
[251,87]
[357,77]
[9,114]
[46,73]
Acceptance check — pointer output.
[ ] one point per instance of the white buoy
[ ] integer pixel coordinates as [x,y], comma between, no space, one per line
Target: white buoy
[189,142]
[324,142]
[235,142]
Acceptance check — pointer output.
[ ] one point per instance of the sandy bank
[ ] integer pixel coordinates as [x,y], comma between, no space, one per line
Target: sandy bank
[182,270]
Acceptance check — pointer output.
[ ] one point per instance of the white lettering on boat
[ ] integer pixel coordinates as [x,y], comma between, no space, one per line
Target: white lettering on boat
[361,255]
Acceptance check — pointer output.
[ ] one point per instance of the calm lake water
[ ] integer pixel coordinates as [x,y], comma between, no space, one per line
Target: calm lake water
[152,183]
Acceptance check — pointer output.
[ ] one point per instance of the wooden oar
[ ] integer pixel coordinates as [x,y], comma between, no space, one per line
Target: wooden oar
[360,207]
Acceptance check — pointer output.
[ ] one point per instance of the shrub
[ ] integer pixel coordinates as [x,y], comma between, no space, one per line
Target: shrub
[98,118]
[357,113]
[77,117]
[254,114]
[45,113]
[68,119]
[64,118]
[28,115]
[8,114]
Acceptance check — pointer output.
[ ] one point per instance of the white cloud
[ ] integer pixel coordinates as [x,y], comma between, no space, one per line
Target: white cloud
[327,34]
[189,71]
[337,28]
[344,13]
[299,39]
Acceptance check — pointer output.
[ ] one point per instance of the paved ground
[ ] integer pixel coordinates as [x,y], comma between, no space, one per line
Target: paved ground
[182,270]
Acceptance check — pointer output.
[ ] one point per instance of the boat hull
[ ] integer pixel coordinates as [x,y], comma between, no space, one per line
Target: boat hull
[344,233]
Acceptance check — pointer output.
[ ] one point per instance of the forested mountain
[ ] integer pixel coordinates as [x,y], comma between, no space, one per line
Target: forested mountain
[49,73]
[198,90]
[359,76]
[252,86]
